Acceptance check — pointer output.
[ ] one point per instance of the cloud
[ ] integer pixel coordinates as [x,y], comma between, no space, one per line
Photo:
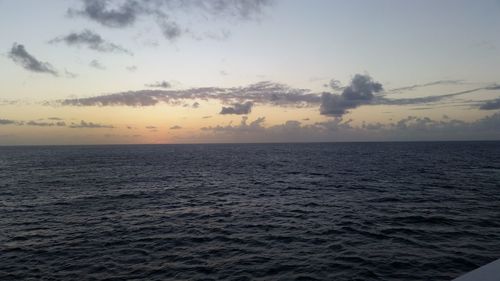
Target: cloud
[99,11]
[120,14]
[361,91]
[493,87]
[162,84]
[176,127]
[20,56]
[46,124]
[206,117]
[90,40]
[70,74]
[131,68]
[433,83]
[491,105]
[263,92]
[339,129]
[97,65]
[7,122]
[238,108]
[256,125]
[423,100]
[89,125]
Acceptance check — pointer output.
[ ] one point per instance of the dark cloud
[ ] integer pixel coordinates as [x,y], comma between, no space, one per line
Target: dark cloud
[170,29]
[90,40]
[493,87]
[125,13]
[238,108]
[97,65]
[162,84]
[206,117]
[100,11]
[89,125]
[491,105]
[20,56]
[55,118]
[361,91]
[7,122]
[195,104]
[176,127]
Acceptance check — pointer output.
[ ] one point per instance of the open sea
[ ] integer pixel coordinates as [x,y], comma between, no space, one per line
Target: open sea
[325,211]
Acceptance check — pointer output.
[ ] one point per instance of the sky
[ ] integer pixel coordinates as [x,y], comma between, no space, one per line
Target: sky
[218,71]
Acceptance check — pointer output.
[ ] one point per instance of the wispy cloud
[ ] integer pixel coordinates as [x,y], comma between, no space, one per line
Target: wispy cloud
[90,40]
[176,127]
[262,92]
[433,83]
[20,56]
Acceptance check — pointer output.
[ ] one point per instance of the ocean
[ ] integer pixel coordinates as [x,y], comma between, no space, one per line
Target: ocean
[317,211]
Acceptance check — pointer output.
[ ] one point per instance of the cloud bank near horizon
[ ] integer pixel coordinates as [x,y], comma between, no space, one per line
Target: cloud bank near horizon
[361,91]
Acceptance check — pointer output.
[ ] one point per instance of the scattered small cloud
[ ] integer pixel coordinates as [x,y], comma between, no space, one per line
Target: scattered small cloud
[89,125]
[20,56]
[238,108]
[152,128]
[176,127]
[69,74]
[97,65]
[131,68]
[161,84]
[90,40]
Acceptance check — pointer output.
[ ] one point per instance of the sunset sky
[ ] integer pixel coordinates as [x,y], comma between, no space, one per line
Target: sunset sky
[197,71]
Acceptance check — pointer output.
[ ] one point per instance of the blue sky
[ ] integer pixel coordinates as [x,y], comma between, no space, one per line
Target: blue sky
[439,47]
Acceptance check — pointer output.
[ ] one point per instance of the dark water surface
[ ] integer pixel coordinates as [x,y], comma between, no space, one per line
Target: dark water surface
[360,211]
